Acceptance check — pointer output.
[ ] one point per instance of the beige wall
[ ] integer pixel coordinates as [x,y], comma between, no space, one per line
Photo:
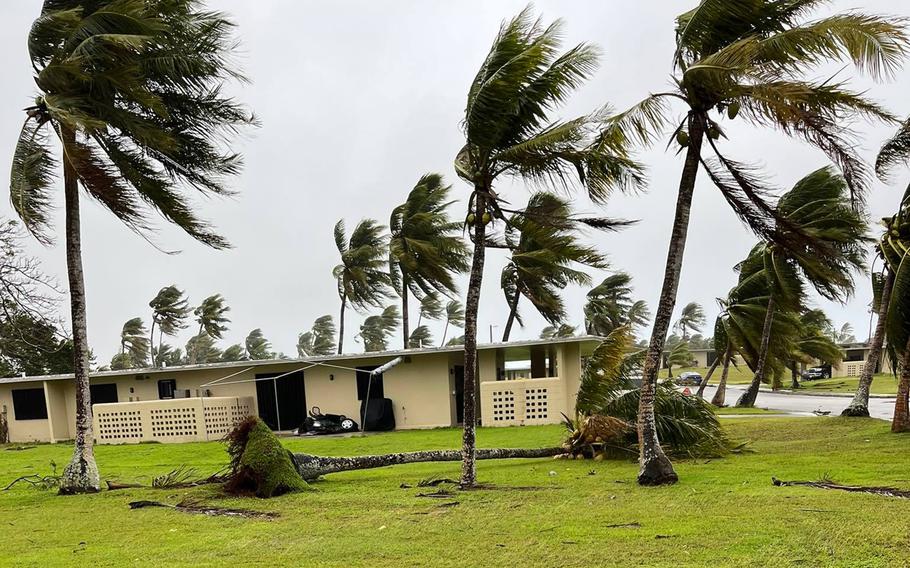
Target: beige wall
[23,430]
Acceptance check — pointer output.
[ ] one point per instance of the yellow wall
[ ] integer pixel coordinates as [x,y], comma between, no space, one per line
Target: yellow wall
[23,430]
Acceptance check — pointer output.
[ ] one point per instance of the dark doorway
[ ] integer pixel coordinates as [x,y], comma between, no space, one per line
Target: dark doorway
[290,411]
[102,394]
[459,393]
[167,388]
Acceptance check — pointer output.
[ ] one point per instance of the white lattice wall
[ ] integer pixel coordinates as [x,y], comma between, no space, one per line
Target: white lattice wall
[522,401]
[173,420]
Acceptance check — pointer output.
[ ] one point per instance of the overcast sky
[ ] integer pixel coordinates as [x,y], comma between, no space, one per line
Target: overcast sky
[358,99]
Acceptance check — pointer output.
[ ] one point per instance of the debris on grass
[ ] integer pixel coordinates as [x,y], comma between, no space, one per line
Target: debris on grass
[43,482]
[202,509]
[829,484]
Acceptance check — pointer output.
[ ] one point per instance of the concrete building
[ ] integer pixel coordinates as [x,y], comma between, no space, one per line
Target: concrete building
[200,402]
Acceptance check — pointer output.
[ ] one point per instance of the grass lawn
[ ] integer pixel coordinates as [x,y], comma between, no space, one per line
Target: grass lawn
[539,513]
[754,410]
[881,383]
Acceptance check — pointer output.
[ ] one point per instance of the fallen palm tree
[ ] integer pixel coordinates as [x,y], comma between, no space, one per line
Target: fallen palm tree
[310,467]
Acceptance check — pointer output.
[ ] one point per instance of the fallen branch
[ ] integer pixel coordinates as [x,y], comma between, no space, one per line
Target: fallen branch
[885,491]
[311,467]
[191,507]
[39,481]
[114,485]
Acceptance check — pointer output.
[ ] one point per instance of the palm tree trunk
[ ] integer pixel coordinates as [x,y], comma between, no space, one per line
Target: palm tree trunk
[704,382]
[472,302]
[794,376]
[901,420]
[344,301]
[654,465]
[859,406]
[81,474]
[405,332]
[445,332]
[748,398]
[721,393]
[310,467]
[513,310]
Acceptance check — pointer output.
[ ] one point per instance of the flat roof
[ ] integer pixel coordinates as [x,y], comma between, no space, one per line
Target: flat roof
[585,339]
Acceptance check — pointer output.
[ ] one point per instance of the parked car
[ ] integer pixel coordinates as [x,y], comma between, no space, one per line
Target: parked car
[689,378]
[816,373]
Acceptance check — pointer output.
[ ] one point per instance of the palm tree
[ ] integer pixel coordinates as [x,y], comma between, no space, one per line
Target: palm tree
[750,59]
[692,318]
[812,344]
[133,342]
[234,352]
[844,334]
[257,346]
[609,306]
[377,329]
[819,208]
[203,349]
[168,356]
[425,250]
[553,331]
[544,245]
[133,93]
[212,321]
[420,337]
[169,312]
[360,277]
[320,340]
[454,317]
[431,308]
[679,356]
[508,133]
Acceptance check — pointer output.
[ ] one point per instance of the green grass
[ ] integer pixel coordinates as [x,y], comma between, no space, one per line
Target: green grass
[755,410]
[723,511]
[881,383]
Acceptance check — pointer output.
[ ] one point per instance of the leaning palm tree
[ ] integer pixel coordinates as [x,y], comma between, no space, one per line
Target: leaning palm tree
[610,305]
[894,152]
[750,59]
[819,208]
[169,312]
[320,340]
[812,344]
[210,315]
[454,317]
[203,349]
[692,318]
[544,246]
[133,341]
[377,329]
[257,346]
[420,337]
[360,277]
[508,133]
[431,308]
[426,252]
[133,93]
[678,356]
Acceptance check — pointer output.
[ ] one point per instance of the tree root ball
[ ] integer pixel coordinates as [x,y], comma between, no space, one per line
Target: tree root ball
[260,465]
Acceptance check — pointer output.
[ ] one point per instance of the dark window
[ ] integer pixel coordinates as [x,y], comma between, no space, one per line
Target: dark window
[28,404]
[363,381]
[102,394]
[166,388]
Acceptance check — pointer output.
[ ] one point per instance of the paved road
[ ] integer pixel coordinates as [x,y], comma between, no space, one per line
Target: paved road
[805,403]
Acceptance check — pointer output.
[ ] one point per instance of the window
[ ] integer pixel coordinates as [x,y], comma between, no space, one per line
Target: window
[166,388]
[102,394]
[29,404]
[363,381]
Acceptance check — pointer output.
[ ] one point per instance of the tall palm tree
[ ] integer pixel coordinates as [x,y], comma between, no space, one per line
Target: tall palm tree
[610,305]
[133,341]
[210,315]
[425,250]
[544,245]
[508,132]
[692,318]
[454,317]
[169,312]
[257,346]
[133,93]
[360,277]
[819,208]
[377,329]
[750,59]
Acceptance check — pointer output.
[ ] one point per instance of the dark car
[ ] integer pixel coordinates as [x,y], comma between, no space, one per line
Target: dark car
[319,423]
[816,373]
[688,378]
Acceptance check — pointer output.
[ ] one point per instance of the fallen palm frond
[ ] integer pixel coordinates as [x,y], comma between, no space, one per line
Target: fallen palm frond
[828,484]
[202,509]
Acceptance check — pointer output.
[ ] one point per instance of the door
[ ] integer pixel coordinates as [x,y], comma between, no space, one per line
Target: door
[289,411]
[459,393]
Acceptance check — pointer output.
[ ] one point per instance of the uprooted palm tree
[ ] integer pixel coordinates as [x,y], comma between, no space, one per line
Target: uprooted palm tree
[377,329]
[609,306]
[169,312]
[895,151]
[544,245]
[134,343]
[750,59]
[509,133]
[210,315]
[362,282]
[692,318]
[818,208]
[425,251]
[454,317]
[133,92]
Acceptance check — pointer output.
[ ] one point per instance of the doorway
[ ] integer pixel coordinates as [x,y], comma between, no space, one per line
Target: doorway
[286,408]
[459,393]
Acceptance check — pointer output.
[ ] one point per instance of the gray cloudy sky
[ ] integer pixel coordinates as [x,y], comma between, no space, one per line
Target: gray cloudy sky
[357,100]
